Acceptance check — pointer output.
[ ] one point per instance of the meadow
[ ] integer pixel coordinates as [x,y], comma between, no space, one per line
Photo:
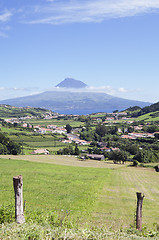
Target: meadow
[96,195]
[31,142]
[152,116]
[57,122]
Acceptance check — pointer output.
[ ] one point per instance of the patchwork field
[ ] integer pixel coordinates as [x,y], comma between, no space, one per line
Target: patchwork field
[51,142]
[60,123]
[92,192]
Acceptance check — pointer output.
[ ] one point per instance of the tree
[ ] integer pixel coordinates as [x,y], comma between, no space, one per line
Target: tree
[14,148]
[76,152]
[132,148]
[68,128]
[146,156]
[101,130]
[118,156]
[156,135]
[1,148]
[7,146]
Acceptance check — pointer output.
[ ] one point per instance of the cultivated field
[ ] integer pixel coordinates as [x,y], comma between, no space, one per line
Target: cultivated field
[56,122]
[92,192]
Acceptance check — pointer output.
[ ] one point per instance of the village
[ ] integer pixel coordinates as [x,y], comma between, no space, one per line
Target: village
[93,143]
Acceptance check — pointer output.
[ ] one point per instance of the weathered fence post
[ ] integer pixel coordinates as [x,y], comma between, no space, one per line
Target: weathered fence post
[140,198]
[18,190]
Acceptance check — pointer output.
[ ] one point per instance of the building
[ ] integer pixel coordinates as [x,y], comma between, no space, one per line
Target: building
[40,151]
[96,156]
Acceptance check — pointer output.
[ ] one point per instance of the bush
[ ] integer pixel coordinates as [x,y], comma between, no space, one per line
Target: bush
[135,163]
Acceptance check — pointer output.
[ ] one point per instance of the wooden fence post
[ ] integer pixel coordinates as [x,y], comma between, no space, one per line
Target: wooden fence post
[18,190]
[140,198]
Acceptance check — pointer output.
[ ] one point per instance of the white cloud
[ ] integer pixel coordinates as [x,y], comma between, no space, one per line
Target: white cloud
[123,90]
[73,11]
[5,16]
[98,89]
[13,92]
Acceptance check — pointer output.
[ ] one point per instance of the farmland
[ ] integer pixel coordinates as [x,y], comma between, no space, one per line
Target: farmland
[71,191]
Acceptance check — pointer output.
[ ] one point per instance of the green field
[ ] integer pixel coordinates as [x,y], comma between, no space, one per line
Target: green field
[104,196]
[31,142]
[152,116]
[59,123]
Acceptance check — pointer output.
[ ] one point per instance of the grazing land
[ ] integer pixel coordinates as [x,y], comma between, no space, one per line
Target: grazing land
[104,196]
[152,116]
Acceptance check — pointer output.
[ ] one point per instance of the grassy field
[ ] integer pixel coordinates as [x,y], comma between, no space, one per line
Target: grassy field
[59,123]
[152,116]
[51,142]
[94,193]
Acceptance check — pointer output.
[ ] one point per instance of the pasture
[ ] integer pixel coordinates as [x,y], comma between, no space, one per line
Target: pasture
[152,116]
[92,192]
[49,141]
[57,122]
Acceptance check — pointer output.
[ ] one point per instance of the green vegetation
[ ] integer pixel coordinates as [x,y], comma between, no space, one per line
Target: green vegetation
[71,199]
[68,128]
[66,201]
[149,113]
[69,150]
[43,231]
[8,147]
[7,111]
[152,116]
[54,187]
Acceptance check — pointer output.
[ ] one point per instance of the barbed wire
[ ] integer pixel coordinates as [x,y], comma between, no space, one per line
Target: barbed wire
[84,196]
[109,214]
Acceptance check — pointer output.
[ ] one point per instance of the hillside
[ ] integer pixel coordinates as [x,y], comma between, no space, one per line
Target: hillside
[149,113]
[7,111]
[152,116]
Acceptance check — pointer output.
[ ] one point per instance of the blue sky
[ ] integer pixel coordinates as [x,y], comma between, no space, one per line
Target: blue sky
[111,45]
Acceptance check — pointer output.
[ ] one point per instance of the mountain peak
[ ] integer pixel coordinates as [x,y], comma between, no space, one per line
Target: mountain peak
[71,83]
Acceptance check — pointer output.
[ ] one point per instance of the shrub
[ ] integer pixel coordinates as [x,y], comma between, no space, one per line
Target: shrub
[135,163]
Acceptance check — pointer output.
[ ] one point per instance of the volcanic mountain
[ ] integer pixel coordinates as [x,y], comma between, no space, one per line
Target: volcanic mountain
[71,83]
[76,102]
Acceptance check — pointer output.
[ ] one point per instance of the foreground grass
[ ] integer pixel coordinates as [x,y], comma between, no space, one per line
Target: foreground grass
[36,231]
[79,198]
[54,187]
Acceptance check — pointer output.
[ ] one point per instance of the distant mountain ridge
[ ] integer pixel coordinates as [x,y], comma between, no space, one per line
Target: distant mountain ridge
[74,102]
[71,83]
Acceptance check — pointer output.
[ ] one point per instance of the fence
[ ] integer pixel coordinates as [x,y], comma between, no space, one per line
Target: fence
[20,207]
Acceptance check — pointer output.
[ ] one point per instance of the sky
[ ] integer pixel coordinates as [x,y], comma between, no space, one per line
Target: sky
[111,45]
